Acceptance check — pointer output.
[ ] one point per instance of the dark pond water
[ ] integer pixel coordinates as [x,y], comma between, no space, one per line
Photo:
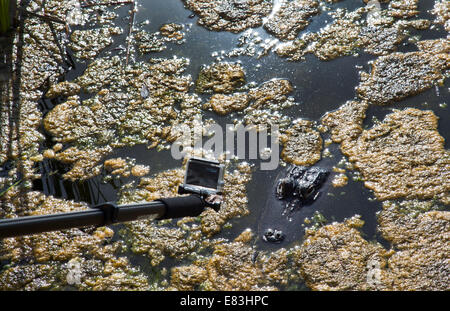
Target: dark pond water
[319,87]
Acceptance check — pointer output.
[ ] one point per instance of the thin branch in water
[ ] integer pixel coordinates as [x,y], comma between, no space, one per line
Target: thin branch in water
[130,30]
[64,55]
[44,17]
[87,5]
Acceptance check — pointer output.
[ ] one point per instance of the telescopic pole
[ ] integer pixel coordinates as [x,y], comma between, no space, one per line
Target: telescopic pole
[104,214]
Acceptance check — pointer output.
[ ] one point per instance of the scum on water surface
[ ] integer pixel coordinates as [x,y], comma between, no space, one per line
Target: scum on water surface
[99,90]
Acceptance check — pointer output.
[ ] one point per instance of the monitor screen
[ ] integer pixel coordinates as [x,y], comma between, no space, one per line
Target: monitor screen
[203,173]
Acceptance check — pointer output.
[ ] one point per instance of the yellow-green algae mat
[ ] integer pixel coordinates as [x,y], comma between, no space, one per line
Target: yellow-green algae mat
[127,92]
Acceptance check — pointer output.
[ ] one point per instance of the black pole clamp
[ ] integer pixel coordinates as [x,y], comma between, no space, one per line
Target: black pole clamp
[110,211]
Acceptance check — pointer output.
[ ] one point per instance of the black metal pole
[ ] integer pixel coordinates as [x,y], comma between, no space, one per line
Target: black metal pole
[37,224]
[155,209]
[103,214]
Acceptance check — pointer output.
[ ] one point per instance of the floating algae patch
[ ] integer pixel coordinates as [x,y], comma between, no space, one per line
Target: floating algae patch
[157,242]
[315,222]
[64,88]
[398,75]
[271,93]
[125,167]
[381,37]
[346,261]
[291,17]
[172,31]
[378,34]
[442,11]
[220,78]
[164,184]
[88,44]
[267,100]
[93,274]
[46,261]
[438,47]
[294,50]
[147,42]
[337,257]
[342,37]
[403,8]
[230,15]
[402,157]
[32,277]
[372,29]
[235,265]
[339,38]
[302,145]
[85,163]
[381,40]
[339,180]
[345,123]
[260,105]
[419,231]
[224,104]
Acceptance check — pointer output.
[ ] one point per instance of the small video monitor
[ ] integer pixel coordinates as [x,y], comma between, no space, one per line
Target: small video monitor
[203,176]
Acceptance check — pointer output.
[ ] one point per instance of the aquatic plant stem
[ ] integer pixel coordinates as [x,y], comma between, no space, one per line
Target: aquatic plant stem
[130,30]
[5,19]
[10,187]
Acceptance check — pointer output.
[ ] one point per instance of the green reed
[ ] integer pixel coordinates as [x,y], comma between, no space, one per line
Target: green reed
[5,19]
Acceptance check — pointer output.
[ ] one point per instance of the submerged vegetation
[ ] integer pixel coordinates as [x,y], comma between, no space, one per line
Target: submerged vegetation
[90,82]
